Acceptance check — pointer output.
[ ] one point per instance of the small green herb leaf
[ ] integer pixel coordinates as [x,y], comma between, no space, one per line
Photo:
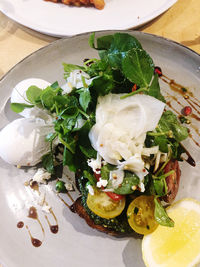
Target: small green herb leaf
[33,94]
[84,98]
[161,215]
[18,107]
[129,181]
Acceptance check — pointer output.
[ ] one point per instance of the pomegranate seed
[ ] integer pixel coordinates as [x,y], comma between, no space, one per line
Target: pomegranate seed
[158,71]
[135,87]
[187,110]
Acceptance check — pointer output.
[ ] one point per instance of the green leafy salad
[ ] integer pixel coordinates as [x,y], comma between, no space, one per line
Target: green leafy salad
[112,127]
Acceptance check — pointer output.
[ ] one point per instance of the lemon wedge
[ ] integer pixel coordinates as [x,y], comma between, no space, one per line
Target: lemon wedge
[178,246]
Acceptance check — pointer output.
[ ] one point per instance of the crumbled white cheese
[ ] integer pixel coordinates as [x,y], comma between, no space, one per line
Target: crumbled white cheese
[75,81]
[69,186]
[102,182]
[41,176]
[90,189]
[95,163]
[142,188]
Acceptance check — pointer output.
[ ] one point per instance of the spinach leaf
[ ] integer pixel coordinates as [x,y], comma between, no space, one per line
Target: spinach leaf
[129,181]
[138,67]
[19,107]
[161,215]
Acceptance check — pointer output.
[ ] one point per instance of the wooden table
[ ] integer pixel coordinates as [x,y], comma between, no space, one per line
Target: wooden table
[180,23]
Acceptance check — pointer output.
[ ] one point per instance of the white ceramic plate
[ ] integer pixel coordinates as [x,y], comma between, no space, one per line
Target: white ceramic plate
[60,20]
[76,244]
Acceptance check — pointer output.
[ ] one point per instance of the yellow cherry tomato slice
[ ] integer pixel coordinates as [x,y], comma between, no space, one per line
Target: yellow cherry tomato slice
[140,215]
[102,205]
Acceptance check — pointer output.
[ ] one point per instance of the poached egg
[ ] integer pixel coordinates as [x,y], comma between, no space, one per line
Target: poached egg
[19,96]
[22,142]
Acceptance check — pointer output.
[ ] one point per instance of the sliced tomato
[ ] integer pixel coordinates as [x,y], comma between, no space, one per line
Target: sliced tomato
[102,205]
[172,180]
[140,215]
[114,196]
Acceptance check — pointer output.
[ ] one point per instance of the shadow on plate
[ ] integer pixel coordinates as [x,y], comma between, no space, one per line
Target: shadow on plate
[132,253]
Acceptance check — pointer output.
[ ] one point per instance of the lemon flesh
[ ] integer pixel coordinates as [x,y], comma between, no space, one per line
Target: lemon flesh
[177,246]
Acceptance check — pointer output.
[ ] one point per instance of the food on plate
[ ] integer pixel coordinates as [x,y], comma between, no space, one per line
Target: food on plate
[179,245]
[110,125]
[22,141]
[99,4]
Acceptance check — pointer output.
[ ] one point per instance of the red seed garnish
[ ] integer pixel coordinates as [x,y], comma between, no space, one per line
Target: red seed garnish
[158,71]
[134,88]
[187,110]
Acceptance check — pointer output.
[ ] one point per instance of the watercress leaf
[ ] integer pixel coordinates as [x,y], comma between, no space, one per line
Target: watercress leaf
[50,137]
[33,94]
[102,85]
[68,125]
[169,122]
[70,112]
[90,177]
[138,67]
[162,142]
[129,181]
[84,98]
[154,89]
[48,162]
[61,102]
[55,85]
[98,68]
[19,107]
[161,215]
[47,97]
[89,152]
[68,159]
[83,139]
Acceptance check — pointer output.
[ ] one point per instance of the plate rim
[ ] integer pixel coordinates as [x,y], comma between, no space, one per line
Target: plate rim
[168,40]
[45,30]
